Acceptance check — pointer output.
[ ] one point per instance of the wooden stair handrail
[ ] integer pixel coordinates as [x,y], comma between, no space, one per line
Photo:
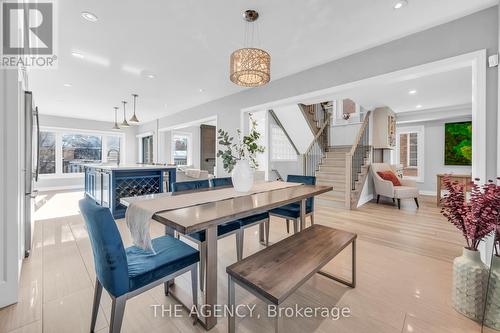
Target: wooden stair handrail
[306,109]
[321,130]
[280,125]
[360,133]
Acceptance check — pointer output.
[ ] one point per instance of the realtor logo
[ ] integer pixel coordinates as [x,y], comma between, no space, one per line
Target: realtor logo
[28,34]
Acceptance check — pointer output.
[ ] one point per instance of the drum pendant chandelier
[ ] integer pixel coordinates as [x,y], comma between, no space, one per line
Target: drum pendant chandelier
[250,66]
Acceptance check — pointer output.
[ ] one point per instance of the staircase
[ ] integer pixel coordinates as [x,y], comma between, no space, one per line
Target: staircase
[332,172]
[345,168]
[318,118]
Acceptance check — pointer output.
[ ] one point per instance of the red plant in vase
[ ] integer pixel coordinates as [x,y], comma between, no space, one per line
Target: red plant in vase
[476,217]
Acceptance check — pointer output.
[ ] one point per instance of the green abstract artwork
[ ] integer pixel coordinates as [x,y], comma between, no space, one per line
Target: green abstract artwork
[458,143]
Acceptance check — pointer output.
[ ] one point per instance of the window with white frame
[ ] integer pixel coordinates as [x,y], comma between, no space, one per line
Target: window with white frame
[78,150]
[147,149]
[64,152]
[113,151]
[181,148]
[47,155]
[410,152]
[281,148]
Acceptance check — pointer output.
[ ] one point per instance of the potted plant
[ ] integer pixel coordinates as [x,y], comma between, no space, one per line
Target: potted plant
[240,158]
[492,312]
[475,218]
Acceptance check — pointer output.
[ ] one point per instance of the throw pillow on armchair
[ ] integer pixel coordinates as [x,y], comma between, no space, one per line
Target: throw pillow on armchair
[390,176]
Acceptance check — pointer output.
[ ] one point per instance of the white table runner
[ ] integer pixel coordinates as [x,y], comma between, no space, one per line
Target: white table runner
[139,214]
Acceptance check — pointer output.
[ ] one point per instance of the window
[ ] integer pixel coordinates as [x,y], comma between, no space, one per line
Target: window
[281,148]
[78,150]
[410,152]
[113,149]
[147,149]
[47,157]
[180,148]
[64,152]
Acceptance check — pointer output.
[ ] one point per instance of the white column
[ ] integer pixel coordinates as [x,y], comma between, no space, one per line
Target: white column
[11,195]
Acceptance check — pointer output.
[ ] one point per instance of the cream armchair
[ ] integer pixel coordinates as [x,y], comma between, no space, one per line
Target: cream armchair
[407,190]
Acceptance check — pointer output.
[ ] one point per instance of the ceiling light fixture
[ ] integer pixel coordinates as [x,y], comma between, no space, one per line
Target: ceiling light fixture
[124,123]
[69,85]
[400,4]
[116,127]
[134,120]
[89,16]
[419,106]
[201,90]
[77,55]
[412,92]
[250,66]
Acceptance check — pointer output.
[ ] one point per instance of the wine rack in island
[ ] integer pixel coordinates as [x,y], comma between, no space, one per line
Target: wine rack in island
[107,186]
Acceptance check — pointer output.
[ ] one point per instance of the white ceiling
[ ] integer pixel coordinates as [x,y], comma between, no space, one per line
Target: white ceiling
[435,91]
[187,43]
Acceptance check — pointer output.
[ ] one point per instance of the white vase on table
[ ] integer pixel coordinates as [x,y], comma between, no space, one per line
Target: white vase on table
[242,176]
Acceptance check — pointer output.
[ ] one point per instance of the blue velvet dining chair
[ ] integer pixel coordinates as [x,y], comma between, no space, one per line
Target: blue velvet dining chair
[127,272]
[291,212]
[189,185]
[223,181]
[245,222]
[199,237]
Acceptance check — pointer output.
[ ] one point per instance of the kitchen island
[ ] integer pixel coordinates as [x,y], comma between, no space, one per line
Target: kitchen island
[107,184]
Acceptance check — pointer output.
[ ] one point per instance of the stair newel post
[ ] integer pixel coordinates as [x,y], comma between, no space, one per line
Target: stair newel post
[304,166]
[348,178]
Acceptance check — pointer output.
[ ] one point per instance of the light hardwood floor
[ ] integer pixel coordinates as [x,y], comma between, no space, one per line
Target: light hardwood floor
[404,276]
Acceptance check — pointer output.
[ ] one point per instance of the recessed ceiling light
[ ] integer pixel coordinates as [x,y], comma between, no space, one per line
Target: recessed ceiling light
[419,106]
[149,75]
[201,90]
[77,55]
[400,4]
[89,16]
[412,92]
[68,85]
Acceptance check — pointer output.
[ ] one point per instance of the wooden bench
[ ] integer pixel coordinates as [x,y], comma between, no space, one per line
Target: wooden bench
[276,272]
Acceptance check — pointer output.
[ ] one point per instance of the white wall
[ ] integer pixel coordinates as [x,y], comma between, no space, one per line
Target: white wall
[165,147]
[262,119]
[344,135]
[296,126]
[434,153]
[129,154]
[285,168]
[452,112]
[471,33]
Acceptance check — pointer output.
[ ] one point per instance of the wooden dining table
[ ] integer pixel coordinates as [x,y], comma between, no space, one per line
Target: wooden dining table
[208,216]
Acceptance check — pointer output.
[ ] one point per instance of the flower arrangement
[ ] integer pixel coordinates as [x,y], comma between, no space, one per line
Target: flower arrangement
[246,147]
[476,217]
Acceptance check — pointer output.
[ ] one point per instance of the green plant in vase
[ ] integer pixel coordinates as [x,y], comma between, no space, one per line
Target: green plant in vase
[240,157]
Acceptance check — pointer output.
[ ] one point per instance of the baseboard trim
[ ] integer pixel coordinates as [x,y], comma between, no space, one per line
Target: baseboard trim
[431,193]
